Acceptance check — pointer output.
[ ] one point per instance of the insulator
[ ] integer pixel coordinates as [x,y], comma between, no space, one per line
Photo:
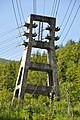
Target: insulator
[48,37]
[48,28]
[34,25]
[57,38]
[57,29]
[34,35]
[24,43]
[28,25]
[26,34]
[56,47]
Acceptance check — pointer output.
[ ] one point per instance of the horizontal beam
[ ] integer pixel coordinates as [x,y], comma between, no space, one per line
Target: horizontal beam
[42,18]
[39,44]
[40,67]
[35,89]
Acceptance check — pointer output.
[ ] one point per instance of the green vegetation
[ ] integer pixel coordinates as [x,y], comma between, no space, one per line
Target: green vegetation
[2,61]
[35,107]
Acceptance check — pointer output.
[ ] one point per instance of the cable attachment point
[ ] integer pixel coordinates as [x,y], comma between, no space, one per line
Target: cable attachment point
[48,37]
[34,35]
[57,29]
[57,38]
[34,25]
[28,25]
[56,47]
[27,34]
[48,28]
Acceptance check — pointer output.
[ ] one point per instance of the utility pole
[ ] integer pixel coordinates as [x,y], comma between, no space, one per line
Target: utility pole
[50,68]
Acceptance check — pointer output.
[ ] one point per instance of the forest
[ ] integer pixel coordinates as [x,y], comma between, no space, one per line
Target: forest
[38,107]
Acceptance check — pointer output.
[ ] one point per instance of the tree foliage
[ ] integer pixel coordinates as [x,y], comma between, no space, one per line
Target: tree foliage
[41,107]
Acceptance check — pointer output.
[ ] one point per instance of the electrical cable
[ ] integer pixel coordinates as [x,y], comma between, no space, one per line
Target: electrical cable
[11,56]
[7,32]
[13,53]
[16,18]
[57,8]
[21,10]
[19,13]
[6,44]
[53,7]
[34,6]
[8,53]
[68,18]
[66,13]
[10,47]
[71,23]
[8,40]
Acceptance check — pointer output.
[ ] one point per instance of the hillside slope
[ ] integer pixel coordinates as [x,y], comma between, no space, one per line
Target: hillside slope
[2,60]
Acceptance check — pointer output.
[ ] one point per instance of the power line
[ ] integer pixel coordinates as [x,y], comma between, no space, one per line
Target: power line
[57,8]
[7,32]
[8,40]
[71,24]
[34,6]
[4,43]
[8,50]
[68,18]
[9,45]
[15,53]
[21,9]
[16,17]
[19,13]
[66,13]
[53,8]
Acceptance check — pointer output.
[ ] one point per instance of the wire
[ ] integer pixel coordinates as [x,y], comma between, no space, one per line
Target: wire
[57,8]
[9,47]
[71,23]
[14,53]
[9,53]
[68,18]
[66,13]
[8,40]
[21,9]
[19,13]
[7,32]
[34,6]
[16,18]
[53,7]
